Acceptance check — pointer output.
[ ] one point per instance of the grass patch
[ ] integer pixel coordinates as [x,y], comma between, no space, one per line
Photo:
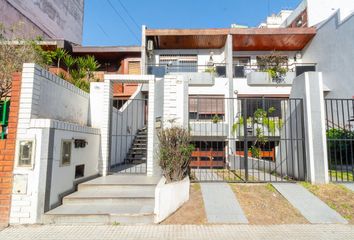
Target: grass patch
[337,175]
[263,204]
[270,187]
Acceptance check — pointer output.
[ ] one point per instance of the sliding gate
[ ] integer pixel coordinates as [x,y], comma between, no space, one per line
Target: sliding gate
[247,140]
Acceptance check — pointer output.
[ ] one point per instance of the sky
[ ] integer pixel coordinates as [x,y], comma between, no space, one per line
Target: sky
[118,22]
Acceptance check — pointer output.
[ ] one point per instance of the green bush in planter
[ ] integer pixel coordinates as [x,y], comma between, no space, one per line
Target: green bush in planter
[175,153]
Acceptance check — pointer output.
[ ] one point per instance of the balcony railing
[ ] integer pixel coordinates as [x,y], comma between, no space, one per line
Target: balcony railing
[241,71]
[160,70]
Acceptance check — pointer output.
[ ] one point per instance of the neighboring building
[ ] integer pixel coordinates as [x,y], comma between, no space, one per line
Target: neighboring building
[309,13]
[49,19]
[114,60]
[276,20]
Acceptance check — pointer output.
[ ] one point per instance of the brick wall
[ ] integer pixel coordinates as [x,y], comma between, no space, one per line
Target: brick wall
[7,153]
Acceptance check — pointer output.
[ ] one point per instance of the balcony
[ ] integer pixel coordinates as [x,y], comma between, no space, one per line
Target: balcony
[261,76]
[197,74]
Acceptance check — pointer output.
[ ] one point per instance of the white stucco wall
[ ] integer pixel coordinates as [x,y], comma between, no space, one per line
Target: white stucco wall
[64,176]
[332,49]
[309,87]
[319,11]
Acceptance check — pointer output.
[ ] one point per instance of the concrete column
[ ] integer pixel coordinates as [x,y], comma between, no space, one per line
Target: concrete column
[309,86]
[230,103]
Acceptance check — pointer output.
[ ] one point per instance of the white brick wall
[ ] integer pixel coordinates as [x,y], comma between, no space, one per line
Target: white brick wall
[45,95]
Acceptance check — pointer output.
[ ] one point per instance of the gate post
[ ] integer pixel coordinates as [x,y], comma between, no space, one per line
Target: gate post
[245,140]
[101,109]
[309,87]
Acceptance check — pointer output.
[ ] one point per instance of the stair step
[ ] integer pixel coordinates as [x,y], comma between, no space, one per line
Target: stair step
[122,196]
[100,214]
[132,181]
[138,148]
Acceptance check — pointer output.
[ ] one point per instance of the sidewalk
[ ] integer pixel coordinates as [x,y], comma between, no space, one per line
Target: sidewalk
[180,232]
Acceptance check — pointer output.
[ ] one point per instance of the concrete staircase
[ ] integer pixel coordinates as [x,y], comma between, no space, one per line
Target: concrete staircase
[138,150]
[115,199]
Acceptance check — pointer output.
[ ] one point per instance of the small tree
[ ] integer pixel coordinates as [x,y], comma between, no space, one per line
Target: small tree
[69,62]
[175,153]
[59,55]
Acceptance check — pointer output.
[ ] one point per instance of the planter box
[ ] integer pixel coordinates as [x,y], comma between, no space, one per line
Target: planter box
[169,197]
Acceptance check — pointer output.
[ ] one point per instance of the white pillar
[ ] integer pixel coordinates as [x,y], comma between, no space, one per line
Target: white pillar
[309,86]
[101,97]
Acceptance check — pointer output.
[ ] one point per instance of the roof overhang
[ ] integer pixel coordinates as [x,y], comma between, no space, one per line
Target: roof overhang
[244,39]
[188,38]
[269,39]
[110,52]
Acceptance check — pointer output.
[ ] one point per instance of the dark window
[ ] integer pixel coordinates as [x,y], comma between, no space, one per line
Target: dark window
[271,106]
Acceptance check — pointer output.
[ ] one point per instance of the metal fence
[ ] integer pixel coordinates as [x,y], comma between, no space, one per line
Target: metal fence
[340,139]
[160,70]
[247,140]
[129,135]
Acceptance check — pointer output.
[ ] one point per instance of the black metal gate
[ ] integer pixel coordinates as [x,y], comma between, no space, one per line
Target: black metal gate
[129,135]
[340,139]
[247,139]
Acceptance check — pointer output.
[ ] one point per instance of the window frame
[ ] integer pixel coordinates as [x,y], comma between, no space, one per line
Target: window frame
[18,153]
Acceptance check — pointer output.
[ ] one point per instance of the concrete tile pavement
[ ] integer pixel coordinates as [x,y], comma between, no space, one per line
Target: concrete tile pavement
[180,232]
[349,186]
[221,204]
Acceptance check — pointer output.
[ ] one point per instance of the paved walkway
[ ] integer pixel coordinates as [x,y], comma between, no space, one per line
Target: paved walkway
[311,207]
[221,205]
[206,175]
[180,232]
[349,186]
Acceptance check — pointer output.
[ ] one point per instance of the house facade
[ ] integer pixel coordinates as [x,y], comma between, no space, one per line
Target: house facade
[258,102]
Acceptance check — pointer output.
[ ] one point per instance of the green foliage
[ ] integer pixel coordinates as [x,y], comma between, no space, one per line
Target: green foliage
[216,119]
[59,55]
[255,151]
[340,149]
[275,64]
[175,153]
[210,70]
[69,62]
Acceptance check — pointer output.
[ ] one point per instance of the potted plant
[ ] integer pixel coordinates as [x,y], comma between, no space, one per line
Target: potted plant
[275,65]
[215,119]
[175,153]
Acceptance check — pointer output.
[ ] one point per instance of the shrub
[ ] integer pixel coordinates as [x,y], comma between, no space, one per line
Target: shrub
[175,153]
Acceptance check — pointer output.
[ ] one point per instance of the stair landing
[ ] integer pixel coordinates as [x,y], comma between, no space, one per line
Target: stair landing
[113,199]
